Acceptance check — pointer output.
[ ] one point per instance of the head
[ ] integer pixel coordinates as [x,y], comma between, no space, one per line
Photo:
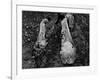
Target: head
[44,20]
[70,20]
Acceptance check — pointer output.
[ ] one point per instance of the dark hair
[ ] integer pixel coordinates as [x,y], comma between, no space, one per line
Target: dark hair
[48,17]
[60,17]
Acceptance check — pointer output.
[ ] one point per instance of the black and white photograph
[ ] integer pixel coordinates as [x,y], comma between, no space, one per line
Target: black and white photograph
[55,39]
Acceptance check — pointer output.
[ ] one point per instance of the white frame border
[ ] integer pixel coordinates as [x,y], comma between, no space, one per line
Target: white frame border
[50,71]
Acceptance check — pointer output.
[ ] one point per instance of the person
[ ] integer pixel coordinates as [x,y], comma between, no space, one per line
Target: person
[41,41]
[68,50]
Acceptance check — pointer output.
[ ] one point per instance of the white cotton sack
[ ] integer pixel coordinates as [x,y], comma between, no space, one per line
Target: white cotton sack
[68,53]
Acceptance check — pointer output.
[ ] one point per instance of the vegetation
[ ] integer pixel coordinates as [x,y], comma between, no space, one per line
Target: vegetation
[33,57]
